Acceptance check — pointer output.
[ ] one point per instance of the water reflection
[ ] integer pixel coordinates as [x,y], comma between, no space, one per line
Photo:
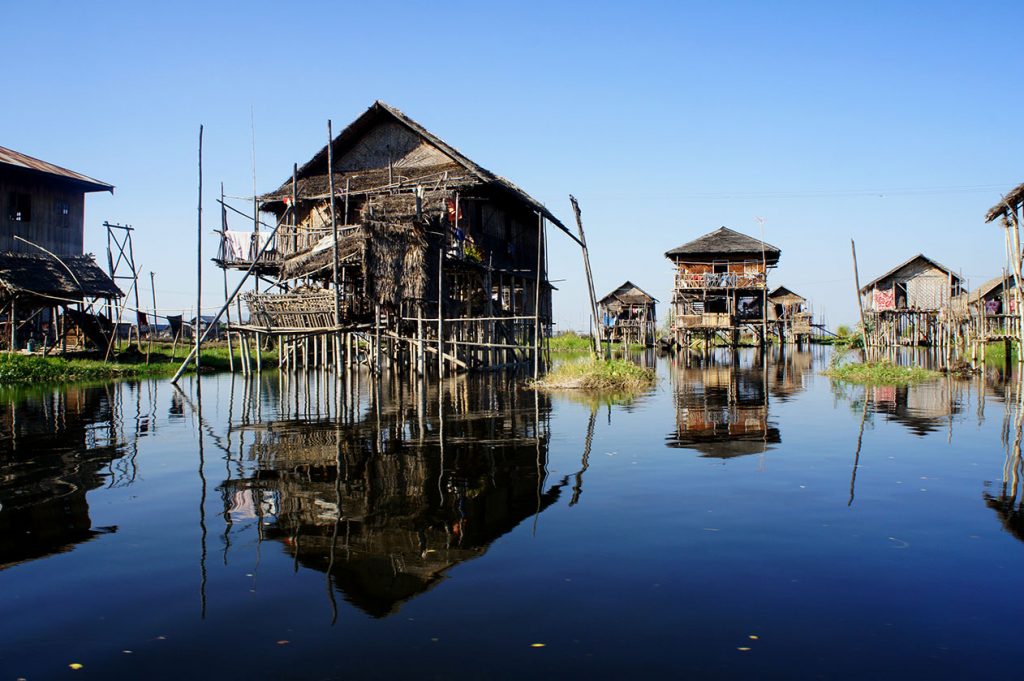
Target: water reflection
[383,487]
[55,446]
[722,403]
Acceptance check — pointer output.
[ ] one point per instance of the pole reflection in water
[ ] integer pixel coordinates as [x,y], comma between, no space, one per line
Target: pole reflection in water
[1008,504]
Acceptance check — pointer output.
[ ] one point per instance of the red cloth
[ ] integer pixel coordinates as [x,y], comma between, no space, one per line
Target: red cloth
[452,215]
[885,300]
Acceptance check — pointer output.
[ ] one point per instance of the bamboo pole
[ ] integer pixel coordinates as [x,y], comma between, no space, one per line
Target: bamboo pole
[334,225]
[199,259]
[598,335]
[860,303]
[536,297]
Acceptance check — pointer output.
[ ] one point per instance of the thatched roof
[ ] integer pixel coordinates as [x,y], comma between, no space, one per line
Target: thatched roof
[784,294]
[894,270]
[991,286]
[1015,197]
[629,294]
[381,112]
[25,274]
[16,159]
[726,242]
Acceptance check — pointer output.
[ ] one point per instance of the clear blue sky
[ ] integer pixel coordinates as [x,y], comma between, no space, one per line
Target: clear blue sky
[666,120]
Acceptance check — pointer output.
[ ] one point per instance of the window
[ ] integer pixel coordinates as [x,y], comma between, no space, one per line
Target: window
[63,212]
[19,207]
[721,268]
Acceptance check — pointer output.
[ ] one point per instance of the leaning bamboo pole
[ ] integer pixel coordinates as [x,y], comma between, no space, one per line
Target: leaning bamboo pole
[860,302]
[598,335]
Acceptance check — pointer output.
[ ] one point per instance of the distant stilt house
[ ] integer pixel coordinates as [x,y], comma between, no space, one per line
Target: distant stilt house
[43,269]
[991,308]
[720,286]
[628,315]
[908,304]
[432,253]
[790,319]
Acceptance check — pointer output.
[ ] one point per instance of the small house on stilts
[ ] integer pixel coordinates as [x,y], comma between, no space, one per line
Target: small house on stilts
[721,285]
[789,317]
[628,315]
[911,304]
[392,248]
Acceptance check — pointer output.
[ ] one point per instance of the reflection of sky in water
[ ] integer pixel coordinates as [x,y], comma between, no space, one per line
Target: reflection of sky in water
[376,534]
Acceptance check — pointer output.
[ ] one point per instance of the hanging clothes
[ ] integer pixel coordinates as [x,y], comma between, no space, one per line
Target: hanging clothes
[884,300]
[235,245]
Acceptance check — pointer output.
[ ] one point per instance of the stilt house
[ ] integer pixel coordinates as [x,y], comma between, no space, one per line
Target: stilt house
[904,305]
[628,315]
[42,265]
[721,286]
[419,244]
[791,320]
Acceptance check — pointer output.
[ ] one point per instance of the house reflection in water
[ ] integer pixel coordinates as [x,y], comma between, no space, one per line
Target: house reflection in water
[923,408]
[388,496]
[55,446]
[722,407]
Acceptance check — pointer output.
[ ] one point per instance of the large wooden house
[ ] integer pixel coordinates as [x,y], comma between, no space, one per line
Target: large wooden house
[42,264]
[720,288]
[413,222]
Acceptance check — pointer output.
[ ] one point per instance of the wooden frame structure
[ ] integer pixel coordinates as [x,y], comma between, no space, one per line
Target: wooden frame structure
[628,315]
[720,289]
[789,317]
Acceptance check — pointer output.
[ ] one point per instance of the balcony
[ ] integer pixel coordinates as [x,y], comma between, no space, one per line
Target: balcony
[720,280]
[707,320]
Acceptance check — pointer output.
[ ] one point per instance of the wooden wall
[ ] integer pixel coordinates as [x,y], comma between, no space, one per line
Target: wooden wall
[45,226]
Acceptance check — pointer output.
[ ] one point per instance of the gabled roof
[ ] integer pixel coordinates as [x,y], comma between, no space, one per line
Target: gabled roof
[782,291]
[1014,198]
[726,241]
[894,270]
[991,285]
[380,111]
[623,294]
[16,159]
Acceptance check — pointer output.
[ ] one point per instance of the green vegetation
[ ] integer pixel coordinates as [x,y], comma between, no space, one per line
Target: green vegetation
[612,376]
[879,373]
[995,354]
[24,369]
[571,343]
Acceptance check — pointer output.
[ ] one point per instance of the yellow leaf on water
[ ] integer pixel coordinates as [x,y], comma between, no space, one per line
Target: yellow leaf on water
[75,665]
[537,645]
[752,637]
[743,649]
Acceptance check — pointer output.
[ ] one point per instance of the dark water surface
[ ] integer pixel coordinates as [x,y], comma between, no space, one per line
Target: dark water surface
[740,521]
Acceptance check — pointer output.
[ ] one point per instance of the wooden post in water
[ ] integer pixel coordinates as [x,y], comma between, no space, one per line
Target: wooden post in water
[598,335]
[199,259]
[334,226]
[536,297]
[860,303]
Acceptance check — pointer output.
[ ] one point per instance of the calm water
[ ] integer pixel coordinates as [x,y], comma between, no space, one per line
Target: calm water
[740,521]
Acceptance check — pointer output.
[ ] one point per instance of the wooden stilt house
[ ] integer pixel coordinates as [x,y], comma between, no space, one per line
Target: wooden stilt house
[421,251]
[720,287]
[908,304]
[790,319]
[628,315]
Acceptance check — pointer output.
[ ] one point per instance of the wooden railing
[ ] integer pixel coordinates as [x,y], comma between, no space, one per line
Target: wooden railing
[720,280]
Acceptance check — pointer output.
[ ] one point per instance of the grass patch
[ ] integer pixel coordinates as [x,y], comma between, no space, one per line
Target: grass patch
[880,373]
[612,376]
[995,354]
[571,343]
[16,369]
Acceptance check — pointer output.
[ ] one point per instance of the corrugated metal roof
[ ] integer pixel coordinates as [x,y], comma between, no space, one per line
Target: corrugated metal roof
[19,160]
